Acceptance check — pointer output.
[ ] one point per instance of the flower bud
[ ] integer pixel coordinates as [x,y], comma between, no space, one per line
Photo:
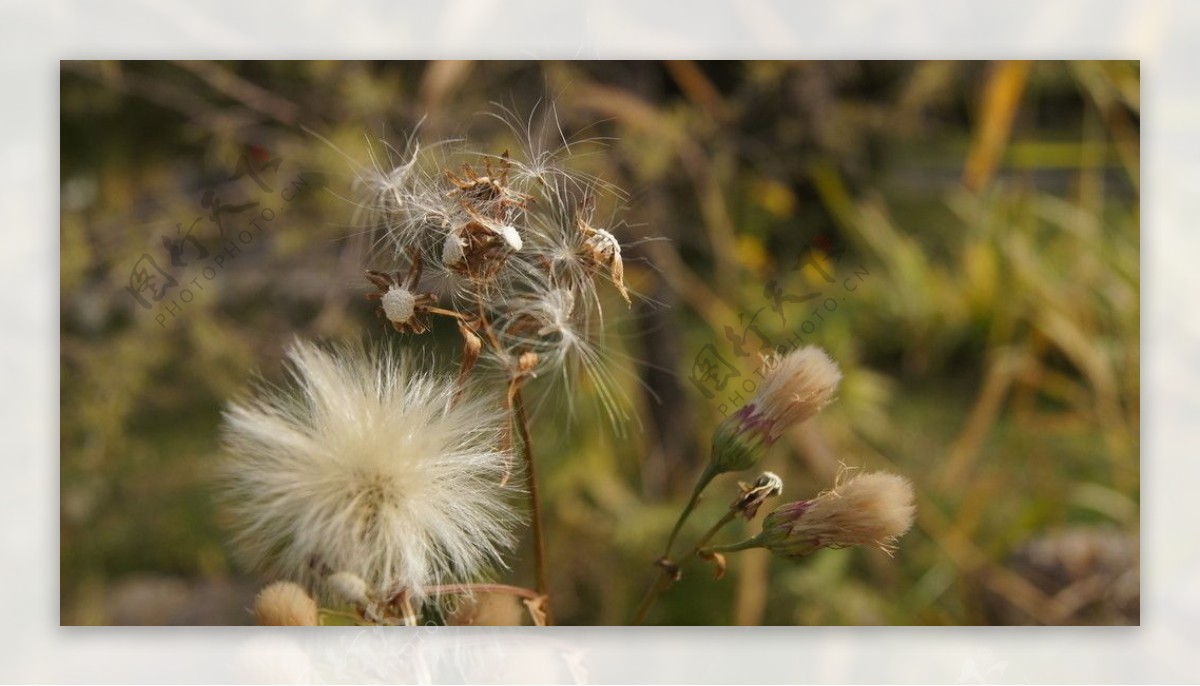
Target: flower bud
[794,389]
[737,444]
[869,509]
[284,603]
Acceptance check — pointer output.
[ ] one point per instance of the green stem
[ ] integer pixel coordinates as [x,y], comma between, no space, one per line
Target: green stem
[706,478]
[667,576]
[735,547]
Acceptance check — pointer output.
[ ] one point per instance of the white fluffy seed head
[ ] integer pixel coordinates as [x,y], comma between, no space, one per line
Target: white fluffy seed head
[874,508]
[507,231]
[369,468]
[350,588]
[398,304]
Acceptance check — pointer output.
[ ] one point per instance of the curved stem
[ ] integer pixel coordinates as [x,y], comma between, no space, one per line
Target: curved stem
[669,570]
[735,547]
[705,478]
[539,545]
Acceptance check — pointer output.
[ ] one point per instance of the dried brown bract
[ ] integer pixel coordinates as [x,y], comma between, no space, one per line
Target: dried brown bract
[603,250]
[489,191]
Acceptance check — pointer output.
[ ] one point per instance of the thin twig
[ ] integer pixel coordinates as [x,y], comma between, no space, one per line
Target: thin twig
[445,589]
[671,572]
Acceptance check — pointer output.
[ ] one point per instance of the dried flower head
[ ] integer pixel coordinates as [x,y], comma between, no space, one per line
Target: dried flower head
[795,387]
[284,603]
[752,496]
[371,469]
[873,508]
[508,242]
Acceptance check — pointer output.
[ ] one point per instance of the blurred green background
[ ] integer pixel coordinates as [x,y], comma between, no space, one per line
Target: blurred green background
[974,225]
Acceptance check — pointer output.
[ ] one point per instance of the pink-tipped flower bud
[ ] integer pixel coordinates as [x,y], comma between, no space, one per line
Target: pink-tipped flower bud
[795,388]
[869,509]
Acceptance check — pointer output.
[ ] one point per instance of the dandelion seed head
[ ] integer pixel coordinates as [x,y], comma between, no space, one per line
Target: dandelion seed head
[508,239]
[368,467]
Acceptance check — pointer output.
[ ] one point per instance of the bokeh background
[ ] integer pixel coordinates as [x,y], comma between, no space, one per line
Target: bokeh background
[984,214]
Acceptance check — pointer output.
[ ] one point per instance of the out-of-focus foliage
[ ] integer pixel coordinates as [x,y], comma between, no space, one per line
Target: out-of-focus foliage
[962,237]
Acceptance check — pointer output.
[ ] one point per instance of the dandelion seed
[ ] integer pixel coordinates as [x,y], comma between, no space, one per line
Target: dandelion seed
[371,469]
[454,253]
[603,249]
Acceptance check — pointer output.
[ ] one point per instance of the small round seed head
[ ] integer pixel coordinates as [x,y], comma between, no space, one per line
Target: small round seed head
[350,588]
[398,304]
[795,387]
[285,603]
[874,508]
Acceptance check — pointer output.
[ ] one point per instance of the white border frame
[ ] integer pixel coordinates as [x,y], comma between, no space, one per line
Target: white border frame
[37,35]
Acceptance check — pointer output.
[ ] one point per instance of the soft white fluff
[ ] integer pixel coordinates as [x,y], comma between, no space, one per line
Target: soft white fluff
[796,387]
[368,467]
[551,273]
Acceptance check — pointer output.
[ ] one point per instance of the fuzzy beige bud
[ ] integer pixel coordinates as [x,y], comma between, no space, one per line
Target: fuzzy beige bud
[285,603]
[794,388]
[874,509]
[871,509]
